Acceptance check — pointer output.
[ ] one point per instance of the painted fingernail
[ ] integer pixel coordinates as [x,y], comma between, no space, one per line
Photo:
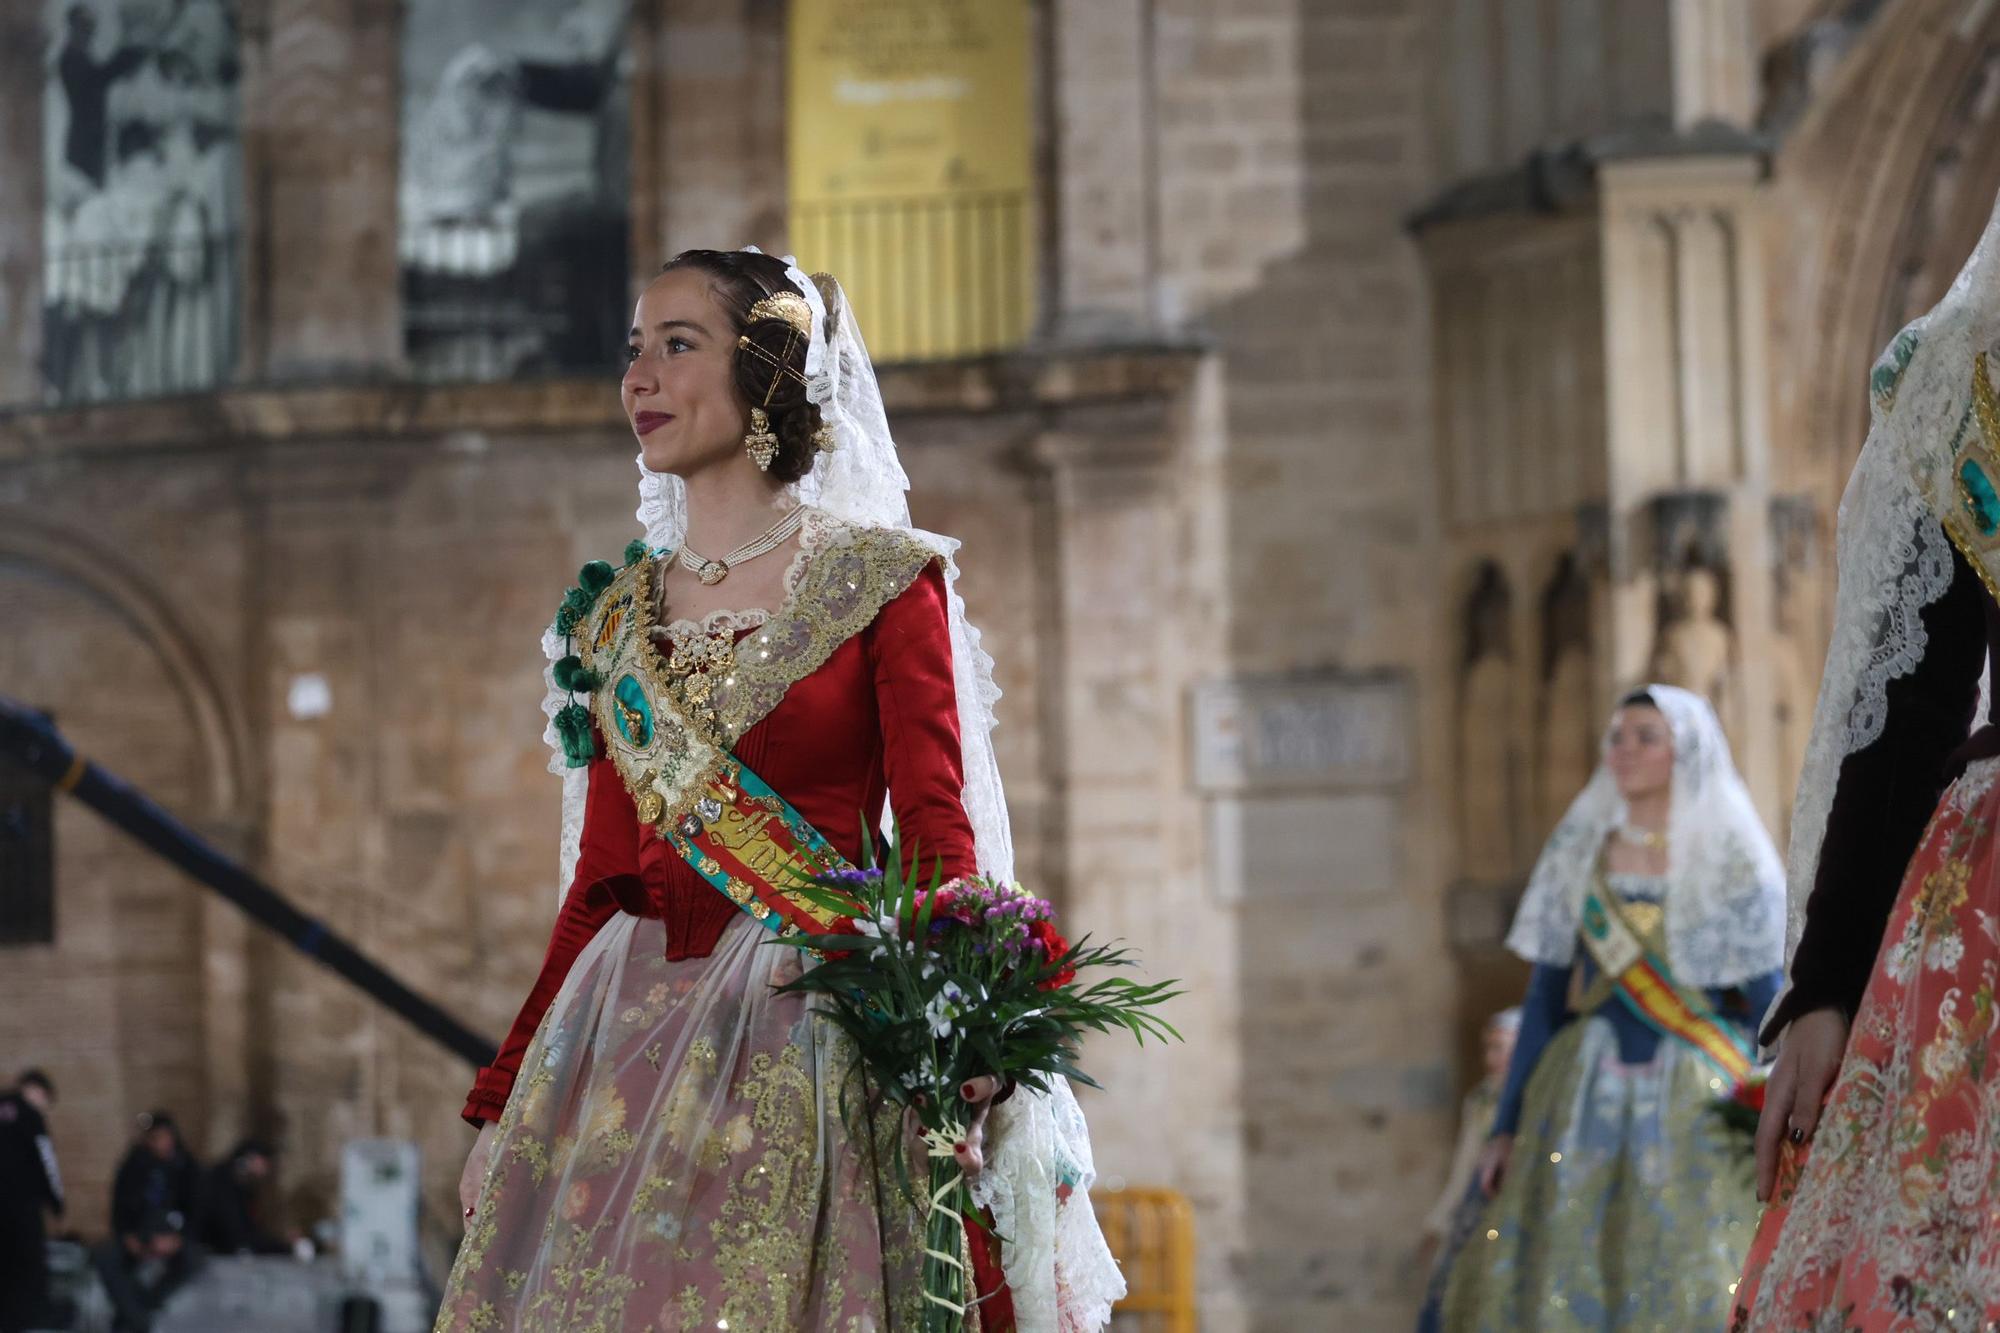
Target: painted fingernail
[468,1212]
[968,1092]
[1798,1135]
[958,1147]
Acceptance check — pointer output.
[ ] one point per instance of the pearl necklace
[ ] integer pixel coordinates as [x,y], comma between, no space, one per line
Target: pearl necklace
[712,572]
[1648,838]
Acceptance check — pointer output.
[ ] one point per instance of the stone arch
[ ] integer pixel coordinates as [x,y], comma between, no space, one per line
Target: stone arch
[1883,181]
[139,997]
[99,572]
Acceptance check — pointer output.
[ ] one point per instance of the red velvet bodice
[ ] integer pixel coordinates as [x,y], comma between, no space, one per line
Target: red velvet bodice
[880,716]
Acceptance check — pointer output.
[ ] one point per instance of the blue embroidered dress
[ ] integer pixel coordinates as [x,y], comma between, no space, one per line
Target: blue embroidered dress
[1626,1204]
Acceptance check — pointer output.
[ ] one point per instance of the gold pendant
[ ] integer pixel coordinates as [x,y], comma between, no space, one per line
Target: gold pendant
[651,806]
[713,573]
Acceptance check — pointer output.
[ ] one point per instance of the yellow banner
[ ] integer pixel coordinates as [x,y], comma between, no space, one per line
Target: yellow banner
[909,139]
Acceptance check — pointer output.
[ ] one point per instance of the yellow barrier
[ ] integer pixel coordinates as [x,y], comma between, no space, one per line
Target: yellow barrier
[1151,1231]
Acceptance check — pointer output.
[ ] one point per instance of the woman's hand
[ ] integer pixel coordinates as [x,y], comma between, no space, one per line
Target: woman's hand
[1493,1163]
[1808,1060]
[476,1162]
[971,1151]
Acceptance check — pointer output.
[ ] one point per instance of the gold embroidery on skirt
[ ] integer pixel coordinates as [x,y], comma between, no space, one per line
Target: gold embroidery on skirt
[692,1167]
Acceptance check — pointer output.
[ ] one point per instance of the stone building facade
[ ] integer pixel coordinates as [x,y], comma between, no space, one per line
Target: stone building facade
[1410,375]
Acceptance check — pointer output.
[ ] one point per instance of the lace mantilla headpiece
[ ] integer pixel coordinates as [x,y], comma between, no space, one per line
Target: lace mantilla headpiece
[1725,894]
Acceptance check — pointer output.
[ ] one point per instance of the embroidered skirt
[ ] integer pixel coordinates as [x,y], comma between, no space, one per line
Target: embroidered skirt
[1626,1204]
[1891,1218]
[675,1155]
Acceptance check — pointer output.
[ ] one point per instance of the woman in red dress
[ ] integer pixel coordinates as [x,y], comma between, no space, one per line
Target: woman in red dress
[662,1142]
[1879,1146]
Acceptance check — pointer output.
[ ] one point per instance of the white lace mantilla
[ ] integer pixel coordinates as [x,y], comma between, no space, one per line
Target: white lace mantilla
[1723,892]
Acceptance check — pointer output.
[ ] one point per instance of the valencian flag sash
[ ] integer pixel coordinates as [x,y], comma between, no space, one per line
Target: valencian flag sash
[748,841]
[1644,983]
[669,718]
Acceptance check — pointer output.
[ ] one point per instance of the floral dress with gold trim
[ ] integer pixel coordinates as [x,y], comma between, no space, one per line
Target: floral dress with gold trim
[672,1152]
[1886,1219]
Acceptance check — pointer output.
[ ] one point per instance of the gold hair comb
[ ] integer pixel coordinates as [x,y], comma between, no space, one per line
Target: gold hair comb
[786,306]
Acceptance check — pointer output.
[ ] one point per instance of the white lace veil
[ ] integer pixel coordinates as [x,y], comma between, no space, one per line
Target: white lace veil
[1059,1270]
[1725,896]
[1893,558]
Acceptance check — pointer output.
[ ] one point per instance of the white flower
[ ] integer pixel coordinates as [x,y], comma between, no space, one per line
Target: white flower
[1943,1058]
[883,927]
[948,1004]
[1945,952]
[923,1076]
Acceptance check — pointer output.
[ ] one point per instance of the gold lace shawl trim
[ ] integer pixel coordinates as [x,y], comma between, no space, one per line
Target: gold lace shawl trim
[842,578]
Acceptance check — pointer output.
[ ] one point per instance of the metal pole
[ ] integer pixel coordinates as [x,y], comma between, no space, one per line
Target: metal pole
[30,739]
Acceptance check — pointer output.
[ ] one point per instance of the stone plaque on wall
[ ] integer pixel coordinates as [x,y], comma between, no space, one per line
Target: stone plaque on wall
[1301,733]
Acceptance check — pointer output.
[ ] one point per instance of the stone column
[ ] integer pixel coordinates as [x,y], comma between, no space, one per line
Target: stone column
[23,71]
[321,108]
[708,127]
[1715,64]
[1100,103]
[1136,624]
[1685,385]
[320,685]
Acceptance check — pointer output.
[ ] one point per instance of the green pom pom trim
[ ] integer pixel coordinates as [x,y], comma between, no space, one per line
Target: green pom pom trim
[579,600]
[570,674]
[635,551]
[566,620]
[596,577]
[573,727]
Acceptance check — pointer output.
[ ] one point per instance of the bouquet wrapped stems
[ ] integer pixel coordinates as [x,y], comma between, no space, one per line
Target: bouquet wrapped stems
[948,1285]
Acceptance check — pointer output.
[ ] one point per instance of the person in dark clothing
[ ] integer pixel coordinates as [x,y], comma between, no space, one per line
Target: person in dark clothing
[29,1184]
[231,1221]
[86,83]
[154,1202]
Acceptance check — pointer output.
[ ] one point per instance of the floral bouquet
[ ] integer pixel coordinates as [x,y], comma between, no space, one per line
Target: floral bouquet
[1740,1108]
[936,983]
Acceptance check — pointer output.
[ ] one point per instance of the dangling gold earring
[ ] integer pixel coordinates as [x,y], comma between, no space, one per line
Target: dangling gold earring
[761,444]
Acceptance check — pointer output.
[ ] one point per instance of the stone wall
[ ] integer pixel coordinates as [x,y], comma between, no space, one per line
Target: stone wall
[1292,141]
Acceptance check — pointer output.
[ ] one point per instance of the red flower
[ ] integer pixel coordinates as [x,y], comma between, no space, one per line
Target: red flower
[943,903]
[1043,935]
[1751,1094]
